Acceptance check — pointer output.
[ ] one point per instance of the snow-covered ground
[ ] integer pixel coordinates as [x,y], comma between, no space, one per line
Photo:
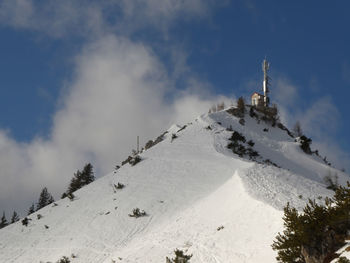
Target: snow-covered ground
[189,187]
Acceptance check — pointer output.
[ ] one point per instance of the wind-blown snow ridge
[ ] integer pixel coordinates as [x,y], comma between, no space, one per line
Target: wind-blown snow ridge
[189,186]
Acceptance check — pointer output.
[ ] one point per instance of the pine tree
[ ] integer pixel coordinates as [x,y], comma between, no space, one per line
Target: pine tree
[180,257]
[31,209]
[241,105]
[3,221]
[305,144]
[14,217]
[316,233]
[51,200]
[75,182]
[44,199]
[87,175]
[80,179]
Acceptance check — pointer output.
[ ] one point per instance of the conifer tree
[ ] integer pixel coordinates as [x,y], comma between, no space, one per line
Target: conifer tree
[51,200]
[31,209]
[45,199]
[87,175]
[241,105]
[180,257]
[3,221]
[75,182]
[80,179]
[318,232]
[305,143]
[14,217]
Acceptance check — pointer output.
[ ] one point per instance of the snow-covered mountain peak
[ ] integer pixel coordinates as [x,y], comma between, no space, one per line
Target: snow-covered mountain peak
[220,204]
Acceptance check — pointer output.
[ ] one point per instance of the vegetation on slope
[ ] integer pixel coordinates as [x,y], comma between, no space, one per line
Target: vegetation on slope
[317,233]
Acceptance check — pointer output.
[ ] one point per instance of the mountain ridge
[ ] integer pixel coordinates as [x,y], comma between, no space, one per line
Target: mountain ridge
[189,185]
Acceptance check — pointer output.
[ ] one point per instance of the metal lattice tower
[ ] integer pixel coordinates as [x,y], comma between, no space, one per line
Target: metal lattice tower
[266,82]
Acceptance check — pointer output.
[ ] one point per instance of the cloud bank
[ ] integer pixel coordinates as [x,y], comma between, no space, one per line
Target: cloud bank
[119,90]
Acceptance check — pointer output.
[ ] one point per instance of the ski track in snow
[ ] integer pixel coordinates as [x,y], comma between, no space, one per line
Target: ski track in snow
[188,187]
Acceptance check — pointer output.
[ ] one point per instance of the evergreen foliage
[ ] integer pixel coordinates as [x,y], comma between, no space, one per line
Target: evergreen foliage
[71,196]
[126,160]
[241,105]
[252,114]
[136,212]
[14,217]
[80,179]
[87,174]
[31,209]
[331,181]
[75,182]
[45,199]
[237,146]
[173,137]
[250,143]
[3,221]
[149,144]
[180,257]
[119,186]
[282,127]
[135,160]
[242,122]
[64,259]
[318,232]
[25,221]
[305,144]
[343,260]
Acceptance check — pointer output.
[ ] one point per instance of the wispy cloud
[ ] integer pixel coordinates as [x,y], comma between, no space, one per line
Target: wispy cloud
[98,17]
[120,90]
[284,91]
[320,119]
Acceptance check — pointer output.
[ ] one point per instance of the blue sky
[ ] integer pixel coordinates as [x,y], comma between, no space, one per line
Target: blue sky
[179,58]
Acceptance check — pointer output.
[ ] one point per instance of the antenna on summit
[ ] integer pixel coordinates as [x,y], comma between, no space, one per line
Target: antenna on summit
[262,101]
[266,83]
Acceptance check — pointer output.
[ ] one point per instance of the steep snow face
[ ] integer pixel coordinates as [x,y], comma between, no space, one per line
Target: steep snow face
[297,178]
[198,195]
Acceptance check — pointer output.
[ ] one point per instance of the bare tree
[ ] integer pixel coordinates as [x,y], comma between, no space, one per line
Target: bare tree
[297,129]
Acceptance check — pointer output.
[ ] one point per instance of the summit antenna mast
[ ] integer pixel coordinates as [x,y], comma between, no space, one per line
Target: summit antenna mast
[266,83]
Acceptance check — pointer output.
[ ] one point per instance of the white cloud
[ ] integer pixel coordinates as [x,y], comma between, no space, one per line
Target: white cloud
[321,118]
[333,152]
[320,121]
[99,17]
[119,90]
[284,92]
[56,18]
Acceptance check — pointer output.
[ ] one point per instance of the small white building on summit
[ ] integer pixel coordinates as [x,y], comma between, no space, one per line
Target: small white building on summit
[257,100]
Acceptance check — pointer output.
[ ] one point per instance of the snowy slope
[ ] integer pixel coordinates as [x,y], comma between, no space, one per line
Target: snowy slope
[189,187]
